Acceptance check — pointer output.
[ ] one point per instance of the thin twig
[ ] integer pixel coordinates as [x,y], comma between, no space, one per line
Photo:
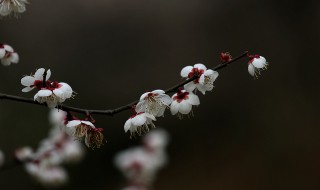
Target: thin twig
[119,109]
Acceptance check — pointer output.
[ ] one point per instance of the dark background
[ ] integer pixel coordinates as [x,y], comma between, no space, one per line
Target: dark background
[247,134]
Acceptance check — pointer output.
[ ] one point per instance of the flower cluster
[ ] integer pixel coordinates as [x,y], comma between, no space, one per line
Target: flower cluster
[50,92]
[44,163]
[140,164]
[12,6]
[8,55]
[153,104]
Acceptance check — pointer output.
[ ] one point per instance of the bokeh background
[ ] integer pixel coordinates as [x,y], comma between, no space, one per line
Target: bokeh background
[247,134]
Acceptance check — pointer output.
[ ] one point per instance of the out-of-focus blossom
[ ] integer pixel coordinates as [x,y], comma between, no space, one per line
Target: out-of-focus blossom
[53,176]
[139,123]
[7,54]
[256,64]
[57,117]
[140,164]
[44,163]
[12,6]
[183,102]
[50,92]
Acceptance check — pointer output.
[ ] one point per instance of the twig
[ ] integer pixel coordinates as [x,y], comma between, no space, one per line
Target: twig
[119,109]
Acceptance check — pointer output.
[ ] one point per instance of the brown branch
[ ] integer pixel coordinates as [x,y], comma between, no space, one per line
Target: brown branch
[119,109]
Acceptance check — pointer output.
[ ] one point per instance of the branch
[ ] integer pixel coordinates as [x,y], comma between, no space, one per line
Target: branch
[119,109]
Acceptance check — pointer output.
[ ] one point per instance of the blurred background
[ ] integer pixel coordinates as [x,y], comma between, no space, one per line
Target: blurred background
[247,134]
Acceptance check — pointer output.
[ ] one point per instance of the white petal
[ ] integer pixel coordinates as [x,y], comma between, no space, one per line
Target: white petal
[185,71]
[141,106]
[190,86]
[127,125]
[2,53]
[88,123]
[150,116]
[59,93]
[215,75]
[185,107]
[27,81]
[202,88]
[193,99]
[39,74]
[8,48]
[174,107]
[139,120]
[73,123]
[27,89]
[48,74]
[251,69]
[166,99]
[200,66]
[44,93]
[201,79]
[67,90]
[158,92]
[14,58]
[6,62]
[143,96]
[259,62]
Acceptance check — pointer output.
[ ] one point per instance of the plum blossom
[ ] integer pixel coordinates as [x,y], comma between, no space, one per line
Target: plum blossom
[85,129]
[207,78]
[225,57]
[50,92]
[256,64]
[53,176]
[154,103]
[8,55]
[9,6]
[140,164]
[182,102]
[139,123]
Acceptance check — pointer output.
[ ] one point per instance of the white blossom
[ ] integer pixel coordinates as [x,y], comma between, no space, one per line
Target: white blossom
[156,140]
[24,154]
[204,82]
[9,6]
[183,101]
[154,103]
[52,176]
[139,123]
[93,136]
[51,93]
[8,55]
[256,64]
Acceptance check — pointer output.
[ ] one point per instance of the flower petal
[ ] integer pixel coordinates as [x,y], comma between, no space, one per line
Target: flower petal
[88,123]
[251,69]
[259,62]
[6,61]
[73,123]
[39,74]
[2,53]
[190,86]
[27,81]
[27,89]
[158,92]
[200,66]
[193,99]
[44,93]
[14,57]
[8,48]
[48,74]
[139,120]
[185,107]
[185,71]
[174,107]
[127,125]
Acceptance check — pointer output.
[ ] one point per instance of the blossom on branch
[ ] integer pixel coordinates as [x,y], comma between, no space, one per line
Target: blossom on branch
[9,6]
[205,79]
[154,103]
[183,102]
[8,55]
[256,64]
[50,92]
[139,123]
[85,129]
